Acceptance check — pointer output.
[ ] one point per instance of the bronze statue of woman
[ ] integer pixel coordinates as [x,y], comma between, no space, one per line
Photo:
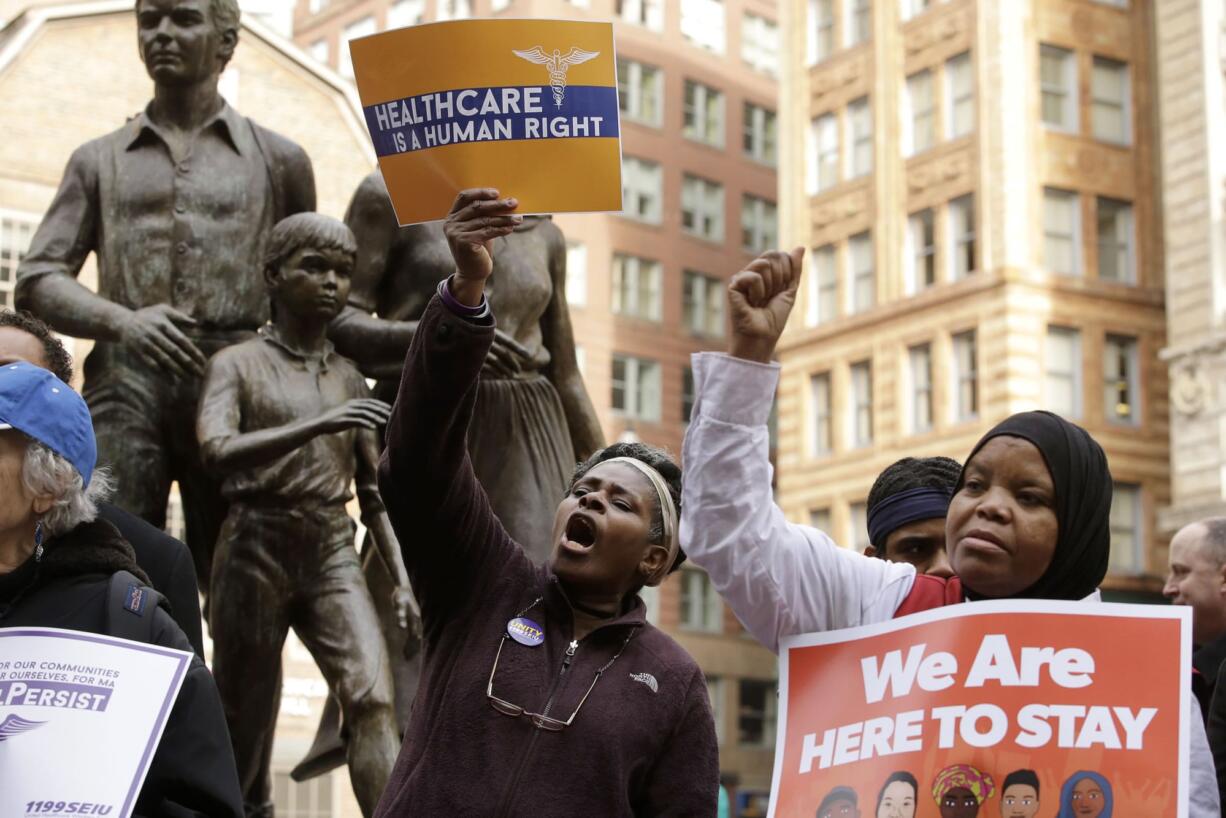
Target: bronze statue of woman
[534,419]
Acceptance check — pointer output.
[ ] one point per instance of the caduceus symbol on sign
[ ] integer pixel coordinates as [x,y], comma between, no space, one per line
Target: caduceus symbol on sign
[557,63]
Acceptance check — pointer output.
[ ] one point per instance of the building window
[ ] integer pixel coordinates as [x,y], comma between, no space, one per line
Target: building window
[15,234]
[640,92]
[823,166]
[819,518]
[704,304]
[759,224]
[406,13]
[920,358]
[1120,379]
[861,425]
[636,388]
[959,96]
[966,376]
[1062,364]
[910,8]
[821,442]
[1061,232]
[823,287]
[1058,84]
[1109,108]
[756,713]
[857,514]
[320,52]
[302,799]
[921,252]
[703,114]
[362,28]
[702,23]
[761,134]
[715,692]
[702,208]
[919,122]
[701,608]
[642,181]
[859,138]
[1127,543]
[863,279]
[760,44]
[646,13]
[687,394]
[961,237]
[1115,255]
[576,273]
[636,287]
[820,39]
[858,21]
[455,9]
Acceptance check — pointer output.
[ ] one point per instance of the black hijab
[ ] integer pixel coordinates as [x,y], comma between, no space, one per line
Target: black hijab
[1082,482]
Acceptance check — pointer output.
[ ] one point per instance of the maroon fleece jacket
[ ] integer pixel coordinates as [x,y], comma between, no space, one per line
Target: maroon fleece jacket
[644,742]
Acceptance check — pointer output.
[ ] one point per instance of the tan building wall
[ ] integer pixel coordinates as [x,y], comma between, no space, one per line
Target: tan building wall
[601,332]
[72,73]
[1005,159]
[1189,60]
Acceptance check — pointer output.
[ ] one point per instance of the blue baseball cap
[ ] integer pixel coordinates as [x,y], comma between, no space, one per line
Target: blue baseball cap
[41,406]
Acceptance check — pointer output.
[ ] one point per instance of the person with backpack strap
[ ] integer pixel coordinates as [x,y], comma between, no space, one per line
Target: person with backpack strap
[62,567]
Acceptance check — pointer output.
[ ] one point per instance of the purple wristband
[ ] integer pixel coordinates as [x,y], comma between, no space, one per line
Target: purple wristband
[453,303]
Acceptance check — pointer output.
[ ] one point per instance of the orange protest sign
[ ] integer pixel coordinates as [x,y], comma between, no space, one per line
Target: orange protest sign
[526,106]
[1004,708]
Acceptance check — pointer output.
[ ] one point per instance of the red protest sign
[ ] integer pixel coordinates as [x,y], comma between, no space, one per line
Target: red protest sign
[994,708]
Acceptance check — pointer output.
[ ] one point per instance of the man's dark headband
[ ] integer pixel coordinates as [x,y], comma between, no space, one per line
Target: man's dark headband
[897,510]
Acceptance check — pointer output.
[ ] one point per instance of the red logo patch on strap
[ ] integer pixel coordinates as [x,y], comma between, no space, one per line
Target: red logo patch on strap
[135,599]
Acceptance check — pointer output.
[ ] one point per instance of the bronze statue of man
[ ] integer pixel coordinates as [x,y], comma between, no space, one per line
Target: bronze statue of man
[534,418]
[176,204]
[289,424]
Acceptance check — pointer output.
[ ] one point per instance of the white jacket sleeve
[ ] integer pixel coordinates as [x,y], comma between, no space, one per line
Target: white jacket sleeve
[1202,777]
[779,578]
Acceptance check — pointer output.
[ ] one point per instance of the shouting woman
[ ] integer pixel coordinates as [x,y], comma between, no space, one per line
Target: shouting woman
[545,691]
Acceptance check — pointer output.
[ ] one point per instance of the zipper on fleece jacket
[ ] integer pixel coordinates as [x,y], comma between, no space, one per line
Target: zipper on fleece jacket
[513,787]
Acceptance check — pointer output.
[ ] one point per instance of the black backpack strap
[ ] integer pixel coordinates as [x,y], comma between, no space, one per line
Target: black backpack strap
[130,608]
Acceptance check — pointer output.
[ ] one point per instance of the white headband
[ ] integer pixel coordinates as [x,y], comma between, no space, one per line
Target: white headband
[668,511]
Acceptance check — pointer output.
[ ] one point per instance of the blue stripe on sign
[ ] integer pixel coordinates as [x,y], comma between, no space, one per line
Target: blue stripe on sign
[491,114]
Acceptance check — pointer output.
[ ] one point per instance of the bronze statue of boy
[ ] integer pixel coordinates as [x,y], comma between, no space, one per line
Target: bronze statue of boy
[288,424]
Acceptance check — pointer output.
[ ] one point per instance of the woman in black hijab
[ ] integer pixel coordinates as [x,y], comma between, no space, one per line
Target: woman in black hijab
[1029,519]
[1030,515]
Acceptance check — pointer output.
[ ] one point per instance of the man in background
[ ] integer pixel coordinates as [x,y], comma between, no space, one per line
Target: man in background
[906,513]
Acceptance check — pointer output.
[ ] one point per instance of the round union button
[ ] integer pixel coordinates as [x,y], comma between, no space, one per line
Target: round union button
[525,631]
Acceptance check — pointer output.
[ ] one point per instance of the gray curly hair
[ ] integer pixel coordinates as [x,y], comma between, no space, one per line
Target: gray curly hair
[43,472]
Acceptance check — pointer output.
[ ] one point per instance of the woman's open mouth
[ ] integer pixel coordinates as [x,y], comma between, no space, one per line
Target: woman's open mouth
[579,535]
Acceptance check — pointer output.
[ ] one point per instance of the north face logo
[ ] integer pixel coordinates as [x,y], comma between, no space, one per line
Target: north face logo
[647,679]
